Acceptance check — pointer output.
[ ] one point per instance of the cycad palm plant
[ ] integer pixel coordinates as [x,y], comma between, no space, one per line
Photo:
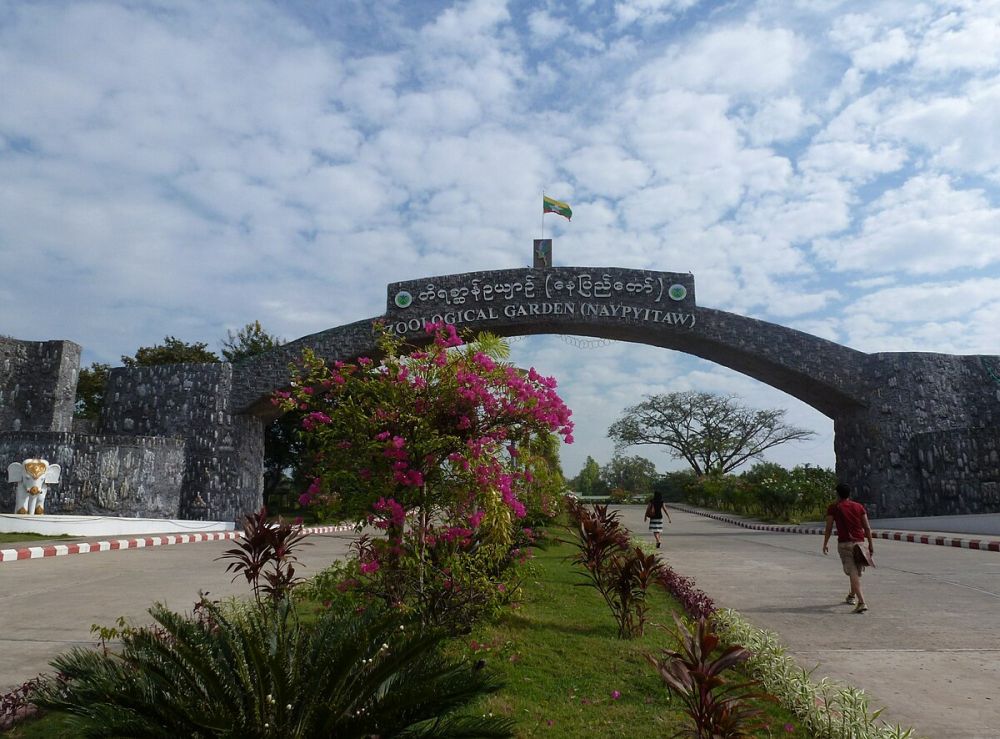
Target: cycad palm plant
[262,673]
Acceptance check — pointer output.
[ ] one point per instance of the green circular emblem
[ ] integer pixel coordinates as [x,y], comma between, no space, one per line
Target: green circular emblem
[403,299]
[677,292]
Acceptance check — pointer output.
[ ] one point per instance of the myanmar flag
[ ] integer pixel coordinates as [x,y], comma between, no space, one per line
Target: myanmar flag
[551,205]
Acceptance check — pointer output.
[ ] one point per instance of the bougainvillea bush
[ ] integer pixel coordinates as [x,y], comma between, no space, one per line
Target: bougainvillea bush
[426,445]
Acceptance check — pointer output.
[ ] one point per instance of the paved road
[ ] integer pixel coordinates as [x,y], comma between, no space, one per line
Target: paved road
[929,648]
[48,605]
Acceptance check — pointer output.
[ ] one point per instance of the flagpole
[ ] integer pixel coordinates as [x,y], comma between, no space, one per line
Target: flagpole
[543,214]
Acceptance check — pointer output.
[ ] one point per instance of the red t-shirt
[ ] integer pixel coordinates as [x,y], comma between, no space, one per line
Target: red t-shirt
[849,516]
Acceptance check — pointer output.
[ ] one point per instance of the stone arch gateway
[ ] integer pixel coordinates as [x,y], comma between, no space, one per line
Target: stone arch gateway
[915,433]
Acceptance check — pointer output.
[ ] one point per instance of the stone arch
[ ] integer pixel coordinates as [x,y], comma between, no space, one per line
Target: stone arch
[915,433]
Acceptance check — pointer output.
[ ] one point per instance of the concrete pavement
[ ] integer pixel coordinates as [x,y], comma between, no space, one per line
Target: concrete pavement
[928,650]
[48,605]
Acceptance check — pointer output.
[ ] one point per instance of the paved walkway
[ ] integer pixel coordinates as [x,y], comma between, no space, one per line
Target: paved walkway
[49,604]
[929,648]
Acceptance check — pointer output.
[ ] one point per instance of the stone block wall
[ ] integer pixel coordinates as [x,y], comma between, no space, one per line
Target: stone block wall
[911,394]
[37,384]
[133,476]
[224,451]
[959,471]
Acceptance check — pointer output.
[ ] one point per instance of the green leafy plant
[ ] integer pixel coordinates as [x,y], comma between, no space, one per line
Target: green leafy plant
[717,707]
[262,673]
[266,552]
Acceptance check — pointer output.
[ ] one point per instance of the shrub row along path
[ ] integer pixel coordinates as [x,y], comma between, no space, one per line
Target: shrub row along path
[49,604]
[929,648]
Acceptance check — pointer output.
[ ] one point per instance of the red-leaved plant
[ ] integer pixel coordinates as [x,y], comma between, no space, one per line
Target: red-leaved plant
[620,573]
[265,555]
[718,709]
[695,602]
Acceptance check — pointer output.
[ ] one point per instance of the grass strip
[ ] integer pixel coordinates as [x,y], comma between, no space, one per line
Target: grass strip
[568,675]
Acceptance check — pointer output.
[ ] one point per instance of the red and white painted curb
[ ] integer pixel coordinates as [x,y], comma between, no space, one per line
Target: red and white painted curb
[61,550]
[911,536]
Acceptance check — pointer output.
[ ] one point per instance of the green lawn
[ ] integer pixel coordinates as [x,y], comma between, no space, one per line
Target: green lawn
[562,663]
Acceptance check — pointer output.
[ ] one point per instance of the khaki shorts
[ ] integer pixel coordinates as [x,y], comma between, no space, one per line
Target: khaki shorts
[846,551]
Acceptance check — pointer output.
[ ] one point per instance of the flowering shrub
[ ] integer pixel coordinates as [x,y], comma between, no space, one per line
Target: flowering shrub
[424,445]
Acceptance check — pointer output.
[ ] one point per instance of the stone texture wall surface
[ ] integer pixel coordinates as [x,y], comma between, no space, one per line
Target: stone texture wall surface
[959,471]
[37,384]
[101,475]
[224,452]
[910,394]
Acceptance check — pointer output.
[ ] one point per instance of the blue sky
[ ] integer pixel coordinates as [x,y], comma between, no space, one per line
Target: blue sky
[183,168]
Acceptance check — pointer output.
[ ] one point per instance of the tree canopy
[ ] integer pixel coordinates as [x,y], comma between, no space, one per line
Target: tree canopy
[588,481]
[632,474]
[712,433]
[171,351]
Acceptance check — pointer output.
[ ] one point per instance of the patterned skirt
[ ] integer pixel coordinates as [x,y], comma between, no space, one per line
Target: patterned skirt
[656,524]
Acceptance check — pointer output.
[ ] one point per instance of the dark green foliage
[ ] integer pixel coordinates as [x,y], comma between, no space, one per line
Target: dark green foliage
[263,674]
[171,351]
[90,391]
[249,341]
[714,434]
[767,490]
[633,475]
[718,709]
[589,481]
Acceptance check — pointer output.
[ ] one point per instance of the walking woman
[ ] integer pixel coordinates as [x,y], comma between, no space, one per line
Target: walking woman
[655,512]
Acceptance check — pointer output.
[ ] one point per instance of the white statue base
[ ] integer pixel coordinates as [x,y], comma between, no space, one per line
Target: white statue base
[85,526]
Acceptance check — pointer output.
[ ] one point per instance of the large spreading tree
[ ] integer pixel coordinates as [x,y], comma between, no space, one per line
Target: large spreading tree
[713,433]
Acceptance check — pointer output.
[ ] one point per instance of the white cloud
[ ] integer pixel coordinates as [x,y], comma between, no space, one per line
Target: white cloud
[742,61]
[606,169]
[924,227]
[958,131]
[968,40]
[778,120]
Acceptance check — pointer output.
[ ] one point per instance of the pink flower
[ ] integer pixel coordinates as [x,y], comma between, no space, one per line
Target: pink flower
[368,567]
[790,728]
[615,695]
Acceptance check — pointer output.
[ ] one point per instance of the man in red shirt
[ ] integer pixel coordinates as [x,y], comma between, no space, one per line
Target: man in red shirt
[852,529]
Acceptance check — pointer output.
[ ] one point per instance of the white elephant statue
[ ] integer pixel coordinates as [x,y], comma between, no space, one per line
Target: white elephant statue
[33,476]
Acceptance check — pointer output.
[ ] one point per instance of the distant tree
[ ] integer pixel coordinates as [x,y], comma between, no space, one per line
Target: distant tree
[712,433]
[249,341]
[171,351]
[589,480]
[634,475]
[90,391]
